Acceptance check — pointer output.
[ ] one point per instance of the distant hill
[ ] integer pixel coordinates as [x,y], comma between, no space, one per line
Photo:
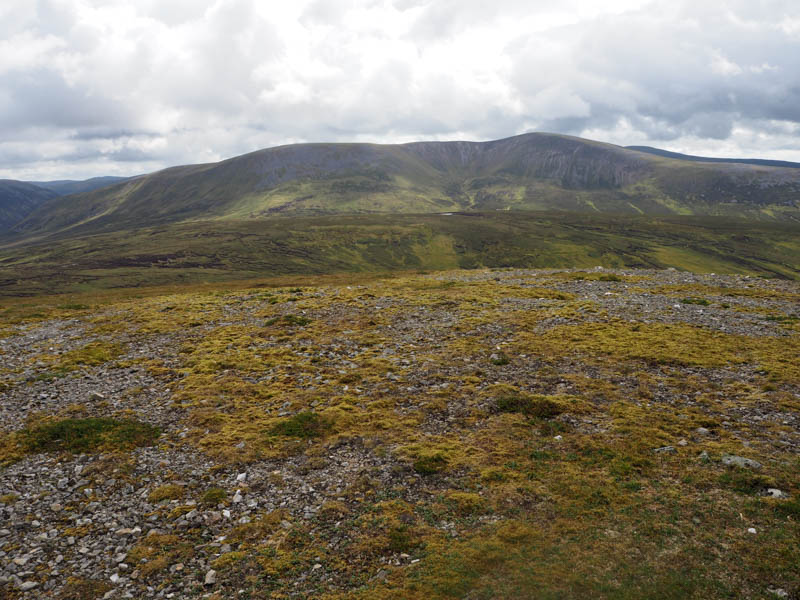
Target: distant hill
[529,172]
[65,187]
[743,161]
[18,199]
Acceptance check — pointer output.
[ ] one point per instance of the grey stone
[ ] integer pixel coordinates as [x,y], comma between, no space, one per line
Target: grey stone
[740,461]
[211,577]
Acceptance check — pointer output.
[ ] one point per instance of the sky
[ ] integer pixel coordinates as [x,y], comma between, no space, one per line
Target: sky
[122,87]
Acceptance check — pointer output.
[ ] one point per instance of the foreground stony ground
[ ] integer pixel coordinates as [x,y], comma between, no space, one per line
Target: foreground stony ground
[472,434]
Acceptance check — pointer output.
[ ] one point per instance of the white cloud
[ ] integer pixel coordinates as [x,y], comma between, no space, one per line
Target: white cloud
[125,86]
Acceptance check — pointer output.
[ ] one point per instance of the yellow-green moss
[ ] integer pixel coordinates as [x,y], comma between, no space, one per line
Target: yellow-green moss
[169,491]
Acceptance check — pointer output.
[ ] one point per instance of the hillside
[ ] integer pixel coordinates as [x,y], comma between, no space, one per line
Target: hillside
[526,172]
[18,199]
[485,434]
[227,250]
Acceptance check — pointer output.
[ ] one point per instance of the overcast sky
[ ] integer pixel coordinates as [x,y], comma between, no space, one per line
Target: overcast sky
[99,87]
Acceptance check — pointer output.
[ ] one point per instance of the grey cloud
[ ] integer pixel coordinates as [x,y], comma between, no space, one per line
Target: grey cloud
[195,80]
[127,154]
[176,12]
[325,12]
[443,18]
[44,97]
[695,75]
[110,133]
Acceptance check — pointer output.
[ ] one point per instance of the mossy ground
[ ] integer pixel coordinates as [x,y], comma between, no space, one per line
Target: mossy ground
[529,477]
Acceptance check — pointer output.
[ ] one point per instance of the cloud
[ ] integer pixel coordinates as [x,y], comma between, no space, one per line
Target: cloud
[89,87]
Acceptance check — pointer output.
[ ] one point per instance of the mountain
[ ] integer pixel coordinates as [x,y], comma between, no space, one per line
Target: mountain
[65,187]
[535,200]
[18,199]
[534,171]
[743,161]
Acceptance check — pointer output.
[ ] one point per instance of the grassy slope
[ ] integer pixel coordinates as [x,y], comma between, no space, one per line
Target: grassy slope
[228,250]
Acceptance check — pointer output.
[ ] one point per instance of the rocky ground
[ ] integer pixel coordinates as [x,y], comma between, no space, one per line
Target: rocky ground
[413,449]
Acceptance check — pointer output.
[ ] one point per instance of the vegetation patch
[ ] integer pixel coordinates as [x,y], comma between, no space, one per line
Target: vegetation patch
[80,589]
[465,504]
[169,491]
[213,496]
[157,552]
[538,407]
[746,481]
[304,425]
[91,355]
[596,277]
[499,359]
[88,435]
[291,320]
[430,463]
[653,342]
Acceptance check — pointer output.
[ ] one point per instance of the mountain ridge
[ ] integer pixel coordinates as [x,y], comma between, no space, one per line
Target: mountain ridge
[534,171]
[694,158]
[66,187]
